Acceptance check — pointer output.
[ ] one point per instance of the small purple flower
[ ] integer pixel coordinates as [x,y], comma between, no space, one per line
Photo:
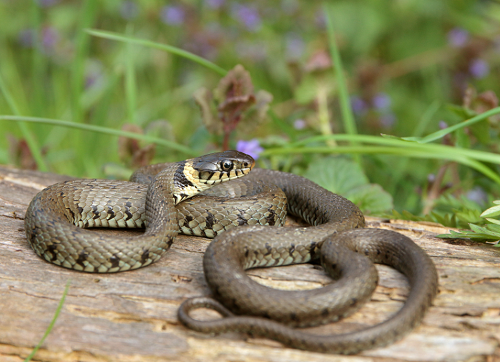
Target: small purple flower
[251,147]
[477,194]
[294,46]
[215,4]
[299,124]
[320,19]
[47,3]
[50,37]
[479,68]
[387,120]
[94,75]
[458,37]
[358,105]
[248,16]
[289,7]
[26,38]
[381,101]
[254,51]
[129,9]
[442,124]
[172,15]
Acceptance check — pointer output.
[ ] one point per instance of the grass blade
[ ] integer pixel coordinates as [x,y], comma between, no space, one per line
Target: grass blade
[345,104]
[25,131]
[52,323]
[168,48]
[130,84]
[411,150]
[100,129]
[443,132]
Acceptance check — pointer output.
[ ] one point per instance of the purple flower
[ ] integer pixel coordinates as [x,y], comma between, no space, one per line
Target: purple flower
[215,4]
[248,16]
[50,37]
[381,101]
[26,38]
[477,194]
[129,10]
[251,147]
[94,75]
[479,68]
[358,105]
[458,37]
[443,124]
[299,124]
[47,3]
[253,51]
[172,15]
[387,120]
[294,46]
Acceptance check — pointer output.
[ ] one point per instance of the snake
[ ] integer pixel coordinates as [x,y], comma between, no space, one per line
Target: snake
[192,197]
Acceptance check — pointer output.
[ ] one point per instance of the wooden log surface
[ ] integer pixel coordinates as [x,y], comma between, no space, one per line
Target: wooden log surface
[131,316]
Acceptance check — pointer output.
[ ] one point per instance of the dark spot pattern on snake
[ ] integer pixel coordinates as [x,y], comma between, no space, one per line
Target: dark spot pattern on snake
[144,256]
[115,261]
[52,248]
[111,213]
[82,257]
[270,219]
[210,220]
[241,218]
[95,212]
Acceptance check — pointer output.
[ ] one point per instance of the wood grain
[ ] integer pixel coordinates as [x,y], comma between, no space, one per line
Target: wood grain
[131,316]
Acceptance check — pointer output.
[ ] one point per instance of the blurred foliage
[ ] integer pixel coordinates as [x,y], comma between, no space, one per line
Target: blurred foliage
[413,67]
[487,231]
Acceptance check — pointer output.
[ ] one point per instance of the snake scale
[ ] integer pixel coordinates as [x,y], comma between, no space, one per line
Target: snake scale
[165,199]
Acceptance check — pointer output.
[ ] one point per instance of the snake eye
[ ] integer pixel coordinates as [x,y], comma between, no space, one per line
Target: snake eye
[245,164]
[226,165]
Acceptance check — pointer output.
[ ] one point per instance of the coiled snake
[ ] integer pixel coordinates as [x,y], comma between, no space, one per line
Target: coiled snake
[337,237]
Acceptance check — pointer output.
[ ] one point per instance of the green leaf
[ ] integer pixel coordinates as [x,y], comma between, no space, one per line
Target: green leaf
[306,91]
[494,221]
[492,211]
[345,177]
[494,228]
[461,111]
[336,174]
[481,131]
[371,198]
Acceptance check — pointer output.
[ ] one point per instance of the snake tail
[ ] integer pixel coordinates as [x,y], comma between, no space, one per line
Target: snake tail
[380,246]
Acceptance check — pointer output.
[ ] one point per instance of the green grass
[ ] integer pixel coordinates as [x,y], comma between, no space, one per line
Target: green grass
[51,324]
[69,99]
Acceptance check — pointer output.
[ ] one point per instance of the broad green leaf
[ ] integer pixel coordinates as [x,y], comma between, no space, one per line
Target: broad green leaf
[336,174]
[345,177]
[491,212]
[494,221]
[371,198]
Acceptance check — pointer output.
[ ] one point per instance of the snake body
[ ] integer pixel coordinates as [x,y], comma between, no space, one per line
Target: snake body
[88,203]
[337,237]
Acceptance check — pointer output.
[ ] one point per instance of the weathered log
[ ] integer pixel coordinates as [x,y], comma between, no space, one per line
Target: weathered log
[131,316]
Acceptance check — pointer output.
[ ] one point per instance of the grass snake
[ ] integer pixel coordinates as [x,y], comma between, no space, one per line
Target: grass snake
[183,196]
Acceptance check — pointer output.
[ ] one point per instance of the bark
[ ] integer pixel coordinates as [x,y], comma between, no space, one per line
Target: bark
[131,316]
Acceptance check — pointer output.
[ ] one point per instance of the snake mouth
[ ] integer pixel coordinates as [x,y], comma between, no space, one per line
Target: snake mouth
[212,178]
[223,166]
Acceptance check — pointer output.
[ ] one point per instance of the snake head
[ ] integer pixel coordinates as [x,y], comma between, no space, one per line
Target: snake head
[222,166]
[198,174]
